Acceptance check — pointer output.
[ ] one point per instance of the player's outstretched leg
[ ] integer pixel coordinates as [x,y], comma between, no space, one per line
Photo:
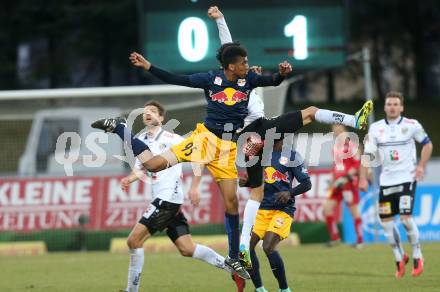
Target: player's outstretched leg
[118,126]
[413,238]
[358,121]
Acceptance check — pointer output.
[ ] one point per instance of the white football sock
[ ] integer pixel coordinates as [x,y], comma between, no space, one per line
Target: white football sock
[391,236]
[331,117]
[250,213]
[413,237]
[397,237]
[209,256]
[135,269]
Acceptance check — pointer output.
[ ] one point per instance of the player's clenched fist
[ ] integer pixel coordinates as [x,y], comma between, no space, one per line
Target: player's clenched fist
[214,12]
[284,68]
[139,61]
[125,182]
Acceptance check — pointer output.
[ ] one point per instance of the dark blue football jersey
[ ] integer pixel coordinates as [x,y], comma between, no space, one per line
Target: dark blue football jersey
[227,101]
[279,177]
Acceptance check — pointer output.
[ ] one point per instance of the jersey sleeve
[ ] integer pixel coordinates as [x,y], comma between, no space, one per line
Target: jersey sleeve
[370,142]
[299,172]
[257,80]
[223,31]
[200,80]
[197,80]
[420,134]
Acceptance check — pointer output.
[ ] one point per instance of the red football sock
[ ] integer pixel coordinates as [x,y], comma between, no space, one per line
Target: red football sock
[332,227]
[358,229]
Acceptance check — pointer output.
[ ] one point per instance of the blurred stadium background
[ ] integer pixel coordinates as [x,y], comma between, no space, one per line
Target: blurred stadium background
[65,63]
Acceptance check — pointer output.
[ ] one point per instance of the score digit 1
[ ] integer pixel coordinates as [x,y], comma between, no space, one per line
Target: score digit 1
[297,29]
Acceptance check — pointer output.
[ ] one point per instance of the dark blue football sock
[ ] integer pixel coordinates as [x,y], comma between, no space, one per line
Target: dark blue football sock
[232,229]
[255,272]
[137,146]
[277,265]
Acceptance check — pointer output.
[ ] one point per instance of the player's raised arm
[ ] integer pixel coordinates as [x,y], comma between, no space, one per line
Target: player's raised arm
[223,30]
[198,80]
[261,81]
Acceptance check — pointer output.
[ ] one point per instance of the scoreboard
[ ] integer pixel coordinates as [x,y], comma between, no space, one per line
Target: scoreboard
[179,36]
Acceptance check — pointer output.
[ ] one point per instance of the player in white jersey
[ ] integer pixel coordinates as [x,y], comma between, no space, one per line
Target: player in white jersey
[256,122]
[390,141]
[164,210]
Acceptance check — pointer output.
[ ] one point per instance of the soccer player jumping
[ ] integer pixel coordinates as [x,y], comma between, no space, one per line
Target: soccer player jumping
[227,93]
[390,141]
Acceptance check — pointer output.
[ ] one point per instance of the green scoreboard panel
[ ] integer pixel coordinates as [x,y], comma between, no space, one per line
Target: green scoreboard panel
[181,37]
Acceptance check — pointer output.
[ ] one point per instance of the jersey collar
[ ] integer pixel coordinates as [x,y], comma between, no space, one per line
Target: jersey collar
[154,136]
[398,123]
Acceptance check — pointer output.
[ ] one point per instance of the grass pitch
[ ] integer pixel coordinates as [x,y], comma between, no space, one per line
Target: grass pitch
[308,267]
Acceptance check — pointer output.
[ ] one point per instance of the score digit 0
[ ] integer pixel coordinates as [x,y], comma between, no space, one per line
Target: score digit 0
[192,39]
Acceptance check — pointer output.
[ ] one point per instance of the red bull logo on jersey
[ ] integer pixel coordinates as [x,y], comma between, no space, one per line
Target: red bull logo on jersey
[271,175]
[229,96]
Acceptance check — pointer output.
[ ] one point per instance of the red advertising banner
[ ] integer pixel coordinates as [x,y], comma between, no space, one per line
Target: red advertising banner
[57,203]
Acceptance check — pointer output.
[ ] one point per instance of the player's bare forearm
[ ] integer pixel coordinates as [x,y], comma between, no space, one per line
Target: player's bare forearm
[195,182]
[135,175]
[425,154]
[365,164]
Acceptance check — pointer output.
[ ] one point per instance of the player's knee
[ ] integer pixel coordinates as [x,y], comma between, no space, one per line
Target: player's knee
[133,243]
[186,252]
[268,248]
[406,221]
[231,204]
[257,194]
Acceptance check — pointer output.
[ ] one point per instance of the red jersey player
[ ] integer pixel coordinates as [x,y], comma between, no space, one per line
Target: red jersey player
[345,185]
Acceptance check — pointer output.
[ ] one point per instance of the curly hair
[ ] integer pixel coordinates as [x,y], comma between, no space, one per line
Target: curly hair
[228,53]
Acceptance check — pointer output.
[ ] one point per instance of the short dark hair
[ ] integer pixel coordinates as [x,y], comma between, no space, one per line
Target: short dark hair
[158,105]
[231,53]
[395,94]
[220,50]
